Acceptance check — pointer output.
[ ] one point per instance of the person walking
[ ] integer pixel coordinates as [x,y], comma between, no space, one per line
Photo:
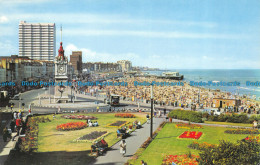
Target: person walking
[123,147]
[143,163]
[6,134]
[254,124]
[12,125]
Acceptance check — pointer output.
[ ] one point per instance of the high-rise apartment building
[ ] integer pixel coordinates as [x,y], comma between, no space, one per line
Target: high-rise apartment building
[76,61]
[37,40]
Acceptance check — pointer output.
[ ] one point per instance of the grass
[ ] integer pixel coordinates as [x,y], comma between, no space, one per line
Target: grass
[226,123]
[50,139]
[167,142]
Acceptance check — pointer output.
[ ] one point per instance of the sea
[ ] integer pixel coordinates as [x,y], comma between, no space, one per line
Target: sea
[223,75]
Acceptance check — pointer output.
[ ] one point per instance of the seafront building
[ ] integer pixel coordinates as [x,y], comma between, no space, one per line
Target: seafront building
[125,65]
[17,69]
[76,62]
[37,40]
[101,66]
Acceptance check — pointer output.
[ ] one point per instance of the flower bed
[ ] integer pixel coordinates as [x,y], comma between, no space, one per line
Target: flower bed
[125,115]
[191,134]
[118,124]
[180,159]
[188,126]
[29,143]
[93,136]
[253,138]
[80,117]
[71,126]
[201,146]
[242,131]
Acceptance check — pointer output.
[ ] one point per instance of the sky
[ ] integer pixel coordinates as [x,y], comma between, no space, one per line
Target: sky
[166,34]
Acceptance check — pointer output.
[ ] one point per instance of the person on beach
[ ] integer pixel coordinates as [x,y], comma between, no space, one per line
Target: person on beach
[123,147]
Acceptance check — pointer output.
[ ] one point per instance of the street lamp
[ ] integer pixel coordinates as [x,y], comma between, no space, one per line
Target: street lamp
[151,128]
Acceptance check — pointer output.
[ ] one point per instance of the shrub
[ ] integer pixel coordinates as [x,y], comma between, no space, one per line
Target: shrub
[242,131]
[186,115]
[228,153]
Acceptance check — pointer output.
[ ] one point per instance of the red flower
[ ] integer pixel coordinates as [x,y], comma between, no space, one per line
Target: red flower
[71,126]
[191,134]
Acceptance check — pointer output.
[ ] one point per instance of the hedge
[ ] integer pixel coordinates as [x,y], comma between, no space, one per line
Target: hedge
[232,118]
[186,115]
[229,153]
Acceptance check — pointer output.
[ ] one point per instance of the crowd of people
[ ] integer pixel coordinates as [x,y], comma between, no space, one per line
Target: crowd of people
[185,96]
[16,125]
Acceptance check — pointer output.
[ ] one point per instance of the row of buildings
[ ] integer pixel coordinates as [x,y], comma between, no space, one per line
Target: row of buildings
[120,66]
[37,51]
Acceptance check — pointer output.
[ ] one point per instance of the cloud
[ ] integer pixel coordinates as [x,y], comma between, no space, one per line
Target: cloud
[89,55]
[3,19]
[150,34]
[87,18]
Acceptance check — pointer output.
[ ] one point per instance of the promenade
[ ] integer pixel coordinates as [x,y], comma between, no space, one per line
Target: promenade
[137,138]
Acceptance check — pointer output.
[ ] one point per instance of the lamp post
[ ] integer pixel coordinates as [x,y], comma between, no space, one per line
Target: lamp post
[151,128]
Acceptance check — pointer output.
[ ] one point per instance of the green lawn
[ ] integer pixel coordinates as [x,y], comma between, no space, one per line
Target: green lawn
[231,124]
[50,139]
[167,142]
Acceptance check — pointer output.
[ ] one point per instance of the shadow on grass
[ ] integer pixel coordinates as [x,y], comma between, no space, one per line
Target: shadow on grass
[50,158]
[166,137]
[52,135]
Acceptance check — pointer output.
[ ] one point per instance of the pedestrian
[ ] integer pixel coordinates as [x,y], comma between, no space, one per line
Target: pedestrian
[148,118]
[15,115]
[123,147]
[53,116]
[12,125]
[159,113]
[143,163]
[18,127]
[30,111]
[255,124]
[6,134]
[164,111]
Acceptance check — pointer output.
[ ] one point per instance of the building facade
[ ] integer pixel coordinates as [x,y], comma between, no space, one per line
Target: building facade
[221,103]
[76,61]
[125,65]
[101,66]
[17,69]
[37,40]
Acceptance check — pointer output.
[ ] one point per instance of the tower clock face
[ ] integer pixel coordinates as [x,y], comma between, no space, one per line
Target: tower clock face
[61,69]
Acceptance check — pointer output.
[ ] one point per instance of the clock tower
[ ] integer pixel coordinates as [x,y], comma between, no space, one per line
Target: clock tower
[61,77]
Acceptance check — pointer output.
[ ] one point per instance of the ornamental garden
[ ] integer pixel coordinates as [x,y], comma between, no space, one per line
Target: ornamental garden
[193,144]
[180,142]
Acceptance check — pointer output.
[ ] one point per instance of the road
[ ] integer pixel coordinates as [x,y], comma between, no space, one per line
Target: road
[29,96]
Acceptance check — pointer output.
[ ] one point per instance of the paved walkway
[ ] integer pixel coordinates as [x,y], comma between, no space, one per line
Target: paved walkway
[137,138]
[6,147]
